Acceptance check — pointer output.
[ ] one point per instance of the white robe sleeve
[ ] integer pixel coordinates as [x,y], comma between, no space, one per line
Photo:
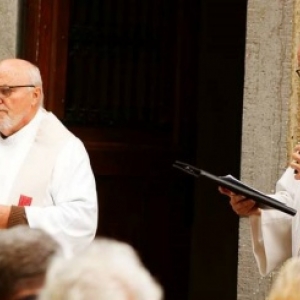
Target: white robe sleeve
[271,240]
[72,219]
[272,231]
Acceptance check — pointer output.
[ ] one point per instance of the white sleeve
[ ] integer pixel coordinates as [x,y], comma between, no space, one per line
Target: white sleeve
[72,220]
[272,232]
[271,240]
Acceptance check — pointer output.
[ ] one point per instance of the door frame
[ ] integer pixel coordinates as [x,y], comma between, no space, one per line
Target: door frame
[43,40]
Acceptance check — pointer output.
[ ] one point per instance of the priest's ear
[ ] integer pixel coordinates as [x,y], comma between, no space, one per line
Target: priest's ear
[36,96]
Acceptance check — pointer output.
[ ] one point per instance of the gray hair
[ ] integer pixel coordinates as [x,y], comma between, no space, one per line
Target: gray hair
[107,270]
[35,77]
[24,253]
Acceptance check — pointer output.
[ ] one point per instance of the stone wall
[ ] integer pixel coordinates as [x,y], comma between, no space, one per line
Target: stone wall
[8,28]
[269,117]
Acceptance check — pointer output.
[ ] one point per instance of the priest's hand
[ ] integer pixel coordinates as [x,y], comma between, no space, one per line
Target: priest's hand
[4,214]
[242,206]
[295,162]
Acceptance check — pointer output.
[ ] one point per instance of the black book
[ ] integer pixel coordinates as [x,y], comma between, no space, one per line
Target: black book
[236,186]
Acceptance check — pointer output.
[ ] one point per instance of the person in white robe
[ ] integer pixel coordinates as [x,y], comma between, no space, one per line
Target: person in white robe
[275,234]
[46,180]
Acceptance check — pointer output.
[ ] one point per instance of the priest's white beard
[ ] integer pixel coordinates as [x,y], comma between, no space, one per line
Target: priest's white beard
[7,122]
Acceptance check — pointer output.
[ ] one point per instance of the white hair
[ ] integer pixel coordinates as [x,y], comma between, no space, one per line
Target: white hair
[34,75]
[286,285]
[107,270]
[35,78]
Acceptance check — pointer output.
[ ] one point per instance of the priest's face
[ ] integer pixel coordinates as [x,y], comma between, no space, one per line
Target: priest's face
[19,98]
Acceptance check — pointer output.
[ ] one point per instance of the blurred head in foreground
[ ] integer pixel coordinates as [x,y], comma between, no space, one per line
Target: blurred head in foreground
[24,257]
[287,283]
[107,270]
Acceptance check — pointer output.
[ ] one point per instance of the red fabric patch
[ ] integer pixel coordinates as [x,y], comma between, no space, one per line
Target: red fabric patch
[24,200]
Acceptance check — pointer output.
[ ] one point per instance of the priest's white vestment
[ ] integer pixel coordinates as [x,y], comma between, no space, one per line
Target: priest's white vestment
[45,168]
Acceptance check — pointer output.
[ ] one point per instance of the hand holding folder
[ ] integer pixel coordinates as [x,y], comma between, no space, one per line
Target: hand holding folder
[238,187]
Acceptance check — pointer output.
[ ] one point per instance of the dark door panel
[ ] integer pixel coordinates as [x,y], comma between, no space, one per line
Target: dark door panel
[117,74]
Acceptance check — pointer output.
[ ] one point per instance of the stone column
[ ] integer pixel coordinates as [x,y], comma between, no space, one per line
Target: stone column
[269,118]
[8,28]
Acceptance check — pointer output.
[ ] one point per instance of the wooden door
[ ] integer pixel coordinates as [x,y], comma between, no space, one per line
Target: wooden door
[119,75]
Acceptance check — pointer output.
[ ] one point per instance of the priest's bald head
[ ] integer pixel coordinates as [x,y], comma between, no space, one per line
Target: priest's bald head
[21,94]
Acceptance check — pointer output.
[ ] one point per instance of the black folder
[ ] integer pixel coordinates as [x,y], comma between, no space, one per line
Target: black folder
[238,187]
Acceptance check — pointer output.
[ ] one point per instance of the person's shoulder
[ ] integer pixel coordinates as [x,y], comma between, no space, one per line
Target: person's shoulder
[52,124]
[56,127]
